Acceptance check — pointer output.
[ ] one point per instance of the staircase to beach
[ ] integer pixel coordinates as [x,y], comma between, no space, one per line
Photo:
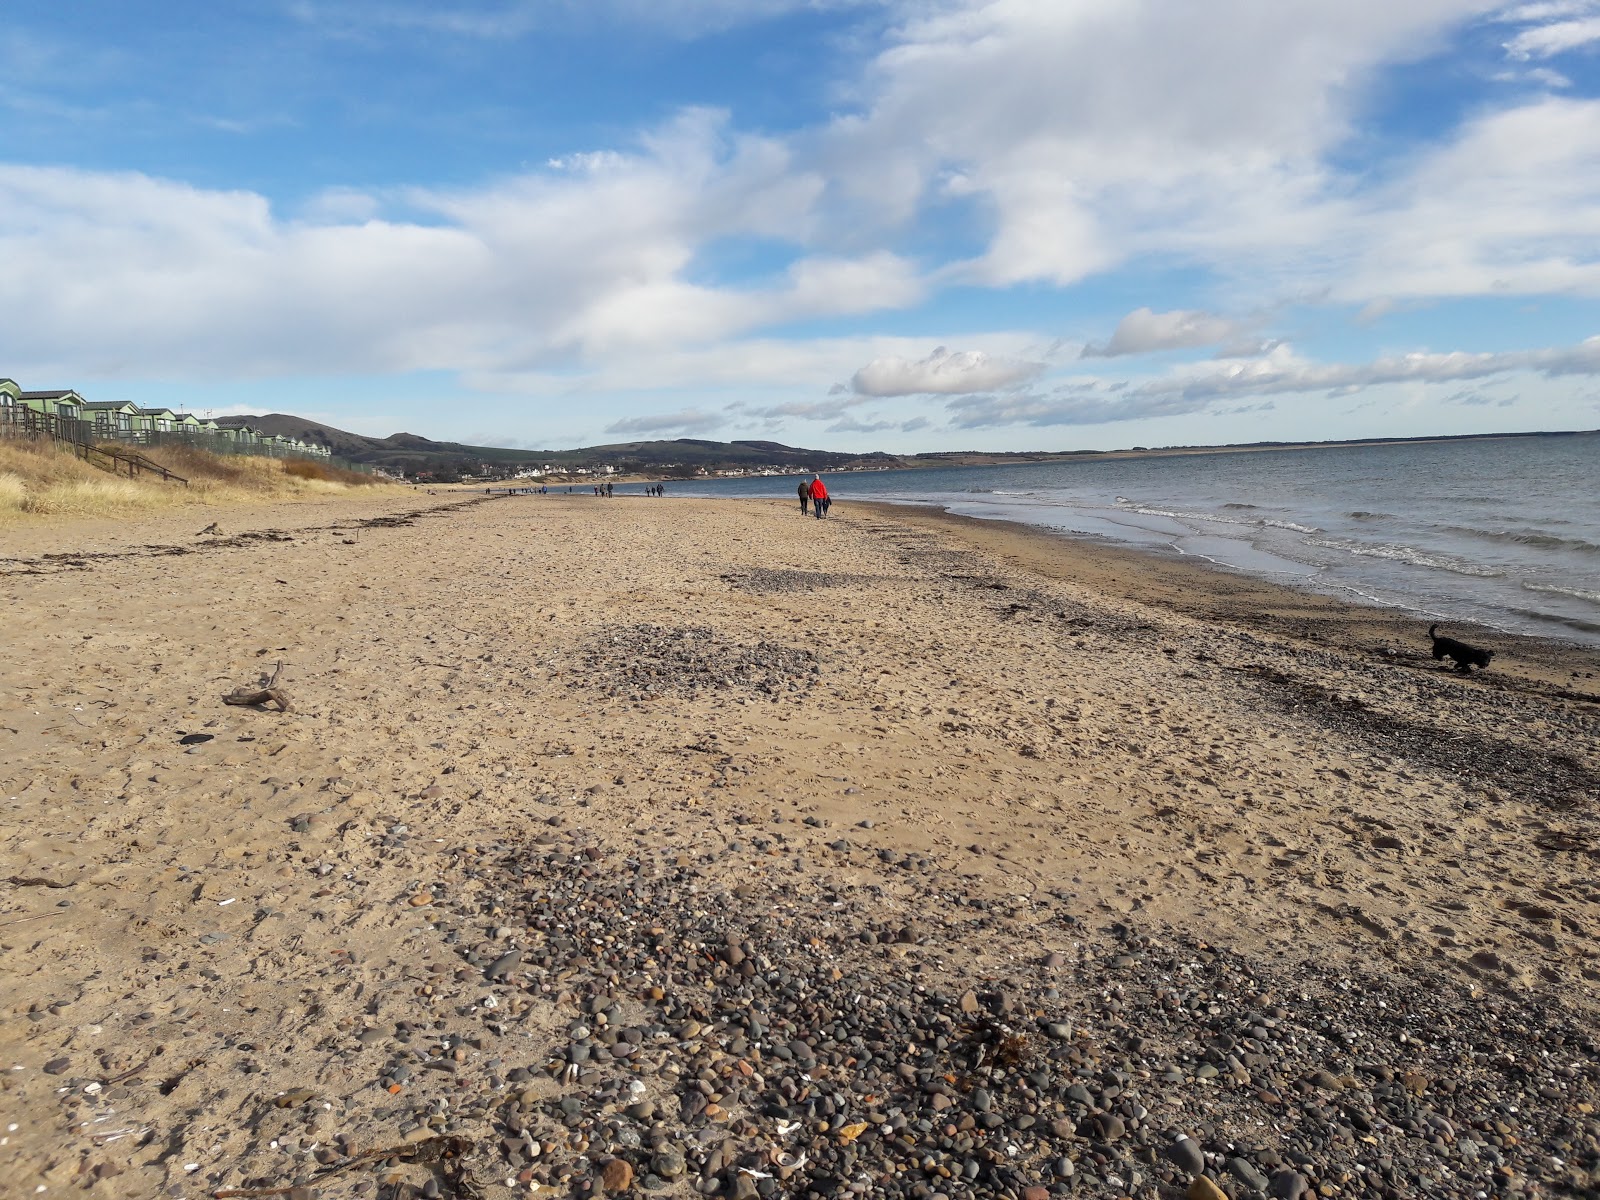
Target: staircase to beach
[16,421]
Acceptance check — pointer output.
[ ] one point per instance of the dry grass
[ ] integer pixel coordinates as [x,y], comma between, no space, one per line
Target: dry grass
[41,478]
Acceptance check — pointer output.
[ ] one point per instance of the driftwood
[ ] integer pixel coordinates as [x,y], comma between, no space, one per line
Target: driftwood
[445,1151]
[267,691]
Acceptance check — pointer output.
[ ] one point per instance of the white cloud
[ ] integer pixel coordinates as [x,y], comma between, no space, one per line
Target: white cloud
[115,274]
[1091,131]
[1550,40]
[1553,28]
[941,373]
[1143,331]
[1510,205]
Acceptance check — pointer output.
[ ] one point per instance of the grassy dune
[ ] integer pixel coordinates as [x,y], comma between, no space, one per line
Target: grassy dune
[44,479]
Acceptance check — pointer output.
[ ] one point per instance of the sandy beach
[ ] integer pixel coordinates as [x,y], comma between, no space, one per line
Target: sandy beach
[655,845]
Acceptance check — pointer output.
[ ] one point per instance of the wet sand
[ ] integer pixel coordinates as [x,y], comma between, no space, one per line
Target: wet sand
[226,930]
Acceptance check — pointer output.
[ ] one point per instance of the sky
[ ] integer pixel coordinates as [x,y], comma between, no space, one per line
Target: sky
[840,224]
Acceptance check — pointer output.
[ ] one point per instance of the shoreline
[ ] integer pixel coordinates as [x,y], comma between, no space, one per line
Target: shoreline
[608,847]
[1233,596]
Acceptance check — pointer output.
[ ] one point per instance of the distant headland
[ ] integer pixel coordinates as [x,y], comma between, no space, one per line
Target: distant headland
[421,458]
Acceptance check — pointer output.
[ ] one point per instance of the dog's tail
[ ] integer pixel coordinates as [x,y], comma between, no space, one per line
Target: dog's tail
[1431,629]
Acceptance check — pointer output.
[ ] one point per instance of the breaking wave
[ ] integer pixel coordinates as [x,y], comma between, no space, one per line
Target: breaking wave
[1527,537]
[1555,589]
[1411,555]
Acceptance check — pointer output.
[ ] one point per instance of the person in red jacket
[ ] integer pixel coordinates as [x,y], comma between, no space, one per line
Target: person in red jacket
[820,501]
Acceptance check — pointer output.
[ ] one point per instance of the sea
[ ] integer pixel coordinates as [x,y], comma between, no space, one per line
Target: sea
[1502,532]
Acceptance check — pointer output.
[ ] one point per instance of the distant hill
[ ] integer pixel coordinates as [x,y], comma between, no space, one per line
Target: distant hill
[410,454]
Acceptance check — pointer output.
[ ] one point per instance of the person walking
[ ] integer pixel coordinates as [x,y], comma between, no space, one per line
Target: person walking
[805,495]
[819,497]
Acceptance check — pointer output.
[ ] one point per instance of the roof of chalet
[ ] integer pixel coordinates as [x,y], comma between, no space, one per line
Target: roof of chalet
[108,405]
[60,395]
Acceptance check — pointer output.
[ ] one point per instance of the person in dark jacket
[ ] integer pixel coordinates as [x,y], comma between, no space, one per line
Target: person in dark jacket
[805,495]
[819,497]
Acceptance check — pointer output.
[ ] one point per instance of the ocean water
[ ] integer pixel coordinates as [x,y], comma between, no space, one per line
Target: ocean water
[1504,532]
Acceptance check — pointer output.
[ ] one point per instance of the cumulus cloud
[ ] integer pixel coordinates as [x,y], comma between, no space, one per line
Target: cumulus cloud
[1508,206]
[687,421]
[942,373]
[1086,133]
[1143,331]
[550,268]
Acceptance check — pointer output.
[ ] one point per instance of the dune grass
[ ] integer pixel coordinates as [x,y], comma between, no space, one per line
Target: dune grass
[41,478]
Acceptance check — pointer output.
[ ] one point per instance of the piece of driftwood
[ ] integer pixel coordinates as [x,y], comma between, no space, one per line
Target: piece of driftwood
[446,1150]
[268,691]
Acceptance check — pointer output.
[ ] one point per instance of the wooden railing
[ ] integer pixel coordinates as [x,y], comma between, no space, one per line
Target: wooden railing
[119,462]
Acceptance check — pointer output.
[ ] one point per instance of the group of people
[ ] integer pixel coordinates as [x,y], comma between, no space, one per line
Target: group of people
[603,489]
[814,493]
[656,489]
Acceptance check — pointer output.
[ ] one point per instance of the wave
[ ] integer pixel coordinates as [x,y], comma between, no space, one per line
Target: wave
[1362,514]
[1527,537]
[1411,555]
[1241,506]
[1555,589]
[1556,618]
[1176,514]
[1290,525]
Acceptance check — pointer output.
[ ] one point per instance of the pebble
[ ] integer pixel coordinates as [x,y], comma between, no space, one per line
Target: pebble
[714,1025]
[617,1175]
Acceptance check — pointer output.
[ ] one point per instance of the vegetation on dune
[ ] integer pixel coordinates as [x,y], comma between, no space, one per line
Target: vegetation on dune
[45,478]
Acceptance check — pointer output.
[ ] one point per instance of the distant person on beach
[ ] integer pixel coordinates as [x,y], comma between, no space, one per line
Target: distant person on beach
[820,501]
[805,495]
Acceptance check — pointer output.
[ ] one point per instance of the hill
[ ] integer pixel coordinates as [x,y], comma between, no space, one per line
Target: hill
[415,456]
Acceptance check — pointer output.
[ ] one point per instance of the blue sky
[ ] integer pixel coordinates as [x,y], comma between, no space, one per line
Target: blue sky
[873,224]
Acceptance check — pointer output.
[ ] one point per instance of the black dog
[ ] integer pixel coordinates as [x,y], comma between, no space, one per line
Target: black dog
[1465,657]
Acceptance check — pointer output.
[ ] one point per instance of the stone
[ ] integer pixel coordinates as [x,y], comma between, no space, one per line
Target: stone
[57,1066]
[969,1003]
[668,1163]
[1201,1188]
[1245,1172]
[1186,1155]
[1288,1185]
[1036,1192]
[503,966]
[617,1175]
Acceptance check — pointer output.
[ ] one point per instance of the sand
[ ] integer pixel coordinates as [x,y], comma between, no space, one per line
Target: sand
[207,904]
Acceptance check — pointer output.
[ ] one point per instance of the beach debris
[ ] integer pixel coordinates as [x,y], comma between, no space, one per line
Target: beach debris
[35,881]
[266,691]
[212,528]
[446,1152]
[646,661]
